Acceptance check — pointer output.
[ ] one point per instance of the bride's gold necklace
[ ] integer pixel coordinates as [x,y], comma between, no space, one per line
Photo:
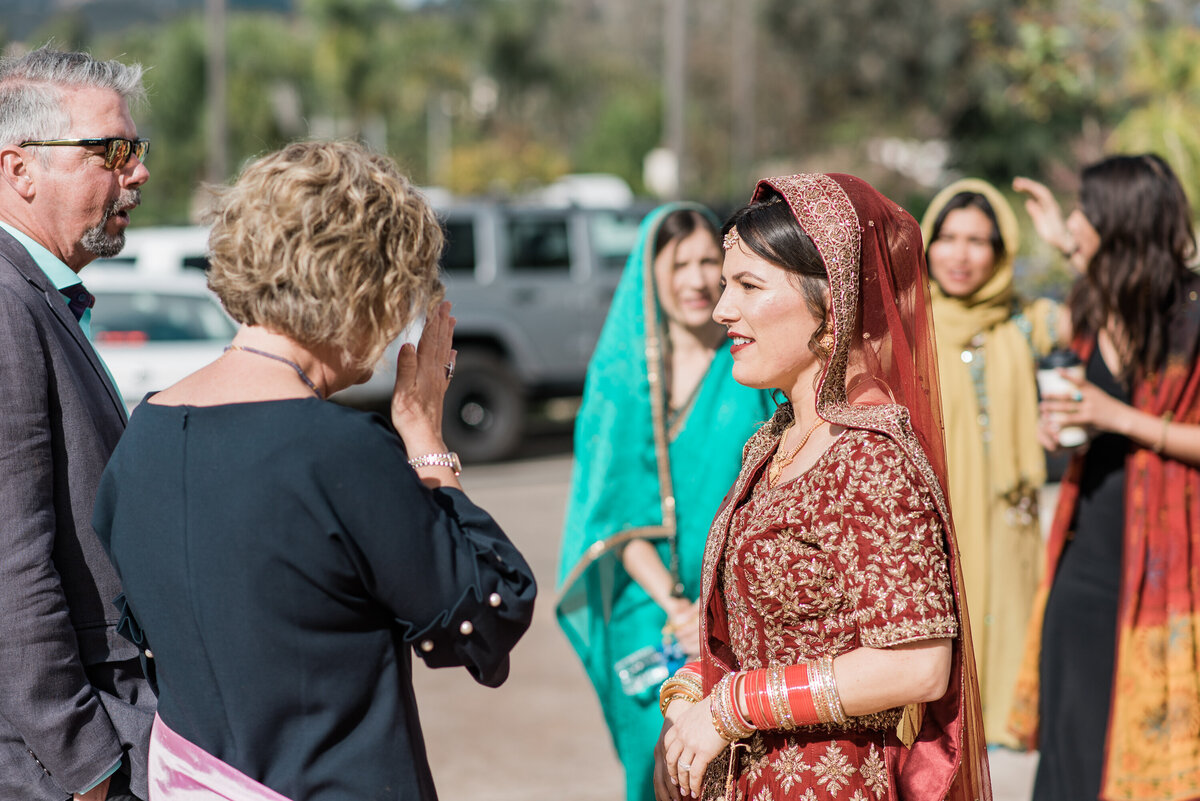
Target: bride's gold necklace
[780,462]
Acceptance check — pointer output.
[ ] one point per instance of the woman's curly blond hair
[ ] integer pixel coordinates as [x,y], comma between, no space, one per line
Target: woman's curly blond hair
[326,243]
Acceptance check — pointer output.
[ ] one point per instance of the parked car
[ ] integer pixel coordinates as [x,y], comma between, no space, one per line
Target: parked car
[153,330]
[160,250]
[531,286]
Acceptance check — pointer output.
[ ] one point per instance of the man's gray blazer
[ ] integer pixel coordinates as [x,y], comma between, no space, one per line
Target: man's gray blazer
[72,694]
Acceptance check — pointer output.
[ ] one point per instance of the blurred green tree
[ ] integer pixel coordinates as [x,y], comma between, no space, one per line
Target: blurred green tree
[470,93]
[266,68]
[1163,79]
[174,59]
[1047,88]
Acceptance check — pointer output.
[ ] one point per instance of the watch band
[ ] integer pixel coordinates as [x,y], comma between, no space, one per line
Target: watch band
[449,459]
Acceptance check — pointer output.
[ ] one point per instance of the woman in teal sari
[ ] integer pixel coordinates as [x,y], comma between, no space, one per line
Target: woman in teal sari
[658,441]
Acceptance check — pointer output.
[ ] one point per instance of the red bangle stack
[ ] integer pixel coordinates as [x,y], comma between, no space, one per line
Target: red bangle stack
[734,706]
[799,694]
[784,697]
[754,690]
[727,719]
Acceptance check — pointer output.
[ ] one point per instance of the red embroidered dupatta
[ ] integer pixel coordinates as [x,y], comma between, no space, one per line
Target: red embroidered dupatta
[1153,751]
[881,375]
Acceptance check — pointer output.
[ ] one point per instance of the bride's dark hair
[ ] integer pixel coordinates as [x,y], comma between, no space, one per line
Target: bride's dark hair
[769,229]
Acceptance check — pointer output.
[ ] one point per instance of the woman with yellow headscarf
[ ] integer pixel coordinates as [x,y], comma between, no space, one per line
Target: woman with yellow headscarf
[988,343]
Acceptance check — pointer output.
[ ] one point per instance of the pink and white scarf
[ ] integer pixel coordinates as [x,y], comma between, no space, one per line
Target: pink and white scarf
[182,771]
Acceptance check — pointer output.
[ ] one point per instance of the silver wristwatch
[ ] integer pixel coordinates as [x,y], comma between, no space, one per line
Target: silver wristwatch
[449,459]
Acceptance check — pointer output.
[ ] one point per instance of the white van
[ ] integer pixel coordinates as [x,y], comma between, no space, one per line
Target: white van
[162,250]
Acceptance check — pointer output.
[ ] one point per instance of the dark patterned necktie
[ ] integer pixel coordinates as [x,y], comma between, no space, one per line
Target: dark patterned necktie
[79,299]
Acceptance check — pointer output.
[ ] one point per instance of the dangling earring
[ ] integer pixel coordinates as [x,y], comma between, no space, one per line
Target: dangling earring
[826,341]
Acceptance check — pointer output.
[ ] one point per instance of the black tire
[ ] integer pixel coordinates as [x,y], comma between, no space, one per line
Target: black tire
[484,412]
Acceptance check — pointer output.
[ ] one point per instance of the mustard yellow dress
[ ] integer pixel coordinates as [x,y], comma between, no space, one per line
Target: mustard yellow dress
[988,344]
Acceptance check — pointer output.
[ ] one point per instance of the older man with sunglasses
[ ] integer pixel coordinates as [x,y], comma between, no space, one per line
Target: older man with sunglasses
[75,706]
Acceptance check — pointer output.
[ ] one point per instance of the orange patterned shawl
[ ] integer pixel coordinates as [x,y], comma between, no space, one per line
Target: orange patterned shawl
[1153,751]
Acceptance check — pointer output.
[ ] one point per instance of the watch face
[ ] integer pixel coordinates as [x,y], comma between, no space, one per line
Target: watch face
[455,464]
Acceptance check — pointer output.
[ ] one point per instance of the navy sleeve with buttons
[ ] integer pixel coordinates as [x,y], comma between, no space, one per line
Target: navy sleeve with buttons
[461,593]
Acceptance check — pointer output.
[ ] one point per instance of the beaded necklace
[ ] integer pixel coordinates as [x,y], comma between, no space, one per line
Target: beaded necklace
[299,371]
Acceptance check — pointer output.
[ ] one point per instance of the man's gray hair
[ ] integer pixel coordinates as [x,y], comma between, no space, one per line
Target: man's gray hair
[31,91]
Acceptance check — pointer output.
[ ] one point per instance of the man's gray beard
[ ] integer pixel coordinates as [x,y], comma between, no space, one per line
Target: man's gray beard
[99,242]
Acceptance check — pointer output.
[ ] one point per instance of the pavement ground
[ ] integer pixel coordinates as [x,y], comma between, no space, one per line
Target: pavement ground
[540,736]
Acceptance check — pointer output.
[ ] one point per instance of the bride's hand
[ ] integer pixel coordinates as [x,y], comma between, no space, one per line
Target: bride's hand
[689,744]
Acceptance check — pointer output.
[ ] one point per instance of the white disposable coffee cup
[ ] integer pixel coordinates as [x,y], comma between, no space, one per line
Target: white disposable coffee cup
[411,335]
[1052,383]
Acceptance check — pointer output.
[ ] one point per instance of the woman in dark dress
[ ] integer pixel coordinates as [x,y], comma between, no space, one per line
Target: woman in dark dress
[1116,713]
[284,557]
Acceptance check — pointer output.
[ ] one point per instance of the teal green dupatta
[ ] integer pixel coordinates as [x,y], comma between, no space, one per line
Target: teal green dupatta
[635,479]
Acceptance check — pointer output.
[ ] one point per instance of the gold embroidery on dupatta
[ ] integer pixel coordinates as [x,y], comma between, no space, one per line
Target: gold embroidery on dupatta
[826,214]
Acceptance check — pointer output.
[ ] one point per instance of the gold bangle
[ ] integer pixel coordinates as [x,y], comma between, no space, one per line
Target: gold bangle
[739,680]
[835,700]
[686,681]
[816,685]
[716,707]
[825,694]
[681,685]
[1159,446]
[669,694]
[777,695]
[663,703]
[724,720]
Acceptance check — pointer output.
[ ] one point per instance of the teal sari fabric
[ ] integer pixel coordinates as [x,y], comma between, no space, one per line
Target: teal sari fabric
[635,479]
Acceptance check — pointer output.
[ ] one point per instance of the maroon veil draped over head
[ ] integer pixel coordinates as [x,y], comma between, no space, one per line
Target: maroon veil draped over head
[882,375]
[884,353]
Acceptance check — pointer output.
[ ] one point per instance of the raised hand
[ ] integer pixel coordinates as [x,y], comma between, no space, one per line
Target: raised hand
[422,376]
[1046,214]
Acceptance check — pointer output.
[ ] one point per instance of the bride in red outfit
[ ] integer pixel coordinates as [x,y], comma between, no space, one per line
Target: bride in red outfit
[835,650]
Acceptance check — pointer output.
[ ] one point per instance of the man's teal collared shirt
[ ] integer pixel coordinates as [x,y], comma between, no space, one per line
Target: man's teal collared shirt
[59,274]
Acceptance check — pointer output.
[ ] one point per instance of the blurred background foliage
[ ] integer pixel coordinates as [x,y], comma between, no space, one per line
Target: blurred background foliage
[495,96]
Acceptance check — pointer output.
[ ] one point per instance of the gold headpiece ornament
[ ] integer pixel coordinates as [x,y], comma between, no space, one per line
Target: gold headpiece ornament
[731,239]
